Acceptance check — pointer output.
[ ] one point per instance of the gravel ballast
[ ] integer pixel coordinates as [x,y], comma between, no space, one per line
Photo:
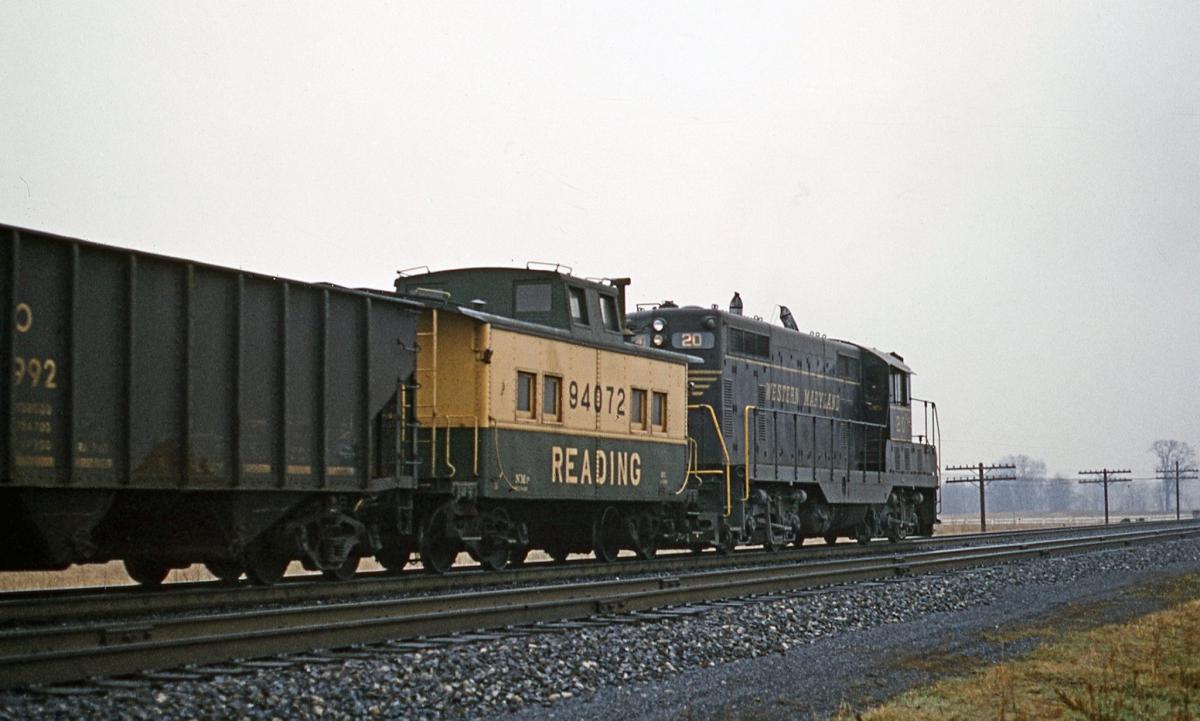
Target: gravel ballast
[787,658]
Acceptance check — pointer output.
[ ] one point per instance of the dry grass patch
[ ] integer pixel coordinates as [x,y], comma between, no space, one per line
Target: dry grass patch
[1144,670]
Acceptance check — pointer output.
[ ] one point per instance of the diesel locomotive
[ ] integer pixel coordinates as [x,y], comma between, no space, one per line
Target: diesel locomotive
[164,412]
[796,435]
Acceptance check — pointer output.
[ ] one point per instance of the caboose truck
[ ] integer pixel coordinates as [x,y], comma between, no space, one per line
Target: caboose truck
[795,435]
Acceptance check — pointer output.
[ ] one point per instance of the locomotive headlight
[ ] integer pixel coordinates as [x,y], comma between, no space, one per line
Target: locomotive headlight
[659,325]
[657,340]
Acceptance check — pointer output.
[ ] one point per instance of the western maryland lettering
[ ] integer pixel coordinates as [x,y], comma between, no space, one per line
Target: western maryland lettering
[575,466]
[806,397]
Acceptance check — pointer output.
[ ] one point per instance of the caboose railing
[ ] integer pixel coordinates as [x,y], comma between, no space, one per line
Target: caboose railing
[751,460]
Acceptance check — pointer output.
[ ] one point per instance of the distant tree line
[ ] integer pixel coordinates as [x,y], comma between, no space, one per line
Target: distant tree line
[1034,492]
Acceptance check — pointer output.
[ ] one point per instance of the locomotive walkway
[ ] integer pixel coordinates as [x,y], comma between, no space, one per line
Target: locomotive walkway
[58,653]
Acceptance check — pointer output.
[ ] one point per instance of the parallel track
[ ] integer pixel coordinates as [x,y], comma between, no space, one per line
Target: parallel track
[29,607]
[63,653]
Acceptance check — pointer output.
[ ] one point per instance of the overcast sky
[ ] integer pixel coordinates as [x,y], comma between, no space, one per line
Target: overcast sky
[1007,194]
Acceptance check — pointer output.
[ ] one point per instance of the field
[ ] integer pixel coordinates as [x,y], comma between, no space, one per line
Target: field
[1141,670]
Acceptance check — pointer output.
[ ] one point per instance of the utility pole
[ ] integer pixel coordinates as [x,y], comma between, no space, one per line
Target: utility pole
[1104,474]
[983,480]
[1165,475]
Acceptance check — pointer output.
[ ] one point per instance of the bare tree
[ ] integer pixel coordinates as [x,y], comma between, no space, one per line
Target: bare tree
[1026,494]
[1058,493]
[1170,452]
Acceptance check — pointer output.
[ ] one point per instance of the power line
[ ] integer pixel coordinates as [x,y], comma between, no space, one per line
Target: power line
[1163,476]
[982,480]
[1104,474]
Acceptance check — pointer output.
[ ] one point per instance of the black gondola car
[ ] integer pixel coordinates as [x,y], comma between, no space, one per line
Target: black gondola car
[165,412]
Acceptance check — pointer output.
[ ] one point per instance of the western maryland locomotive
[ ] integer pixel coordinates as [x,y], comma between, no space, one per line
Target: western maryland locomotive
[164,412]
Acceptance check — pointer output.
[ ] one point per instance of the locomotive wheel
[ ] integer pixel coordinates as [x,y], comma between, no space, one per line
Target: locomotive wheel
[224,570]
[771,542]
[831,538]
[606,535]
[146,571]
[437,551]
[645,543]
[725,547]
[863,536]
[344,572]
[265,564]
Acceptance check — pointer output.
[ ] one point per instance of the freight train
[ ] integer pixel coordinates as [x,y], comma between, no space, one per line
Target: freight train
[164,412]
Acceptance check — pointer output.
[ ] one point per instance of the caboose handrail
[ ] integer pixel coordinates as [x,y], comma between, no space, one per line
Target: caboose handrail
[724,451]
[475,423]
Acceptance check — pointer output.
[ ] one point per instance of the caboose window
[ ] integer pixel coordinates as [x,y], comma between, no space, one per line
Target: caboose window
[551,398]
[745,342]
[532,298]
[608,313]
[525,393]
[637,408]
[578,306]
[658,412]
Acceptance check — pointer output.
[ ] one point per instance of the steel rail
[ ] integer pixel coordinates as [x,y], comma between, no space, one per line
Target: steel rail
[25,607]
[57,654]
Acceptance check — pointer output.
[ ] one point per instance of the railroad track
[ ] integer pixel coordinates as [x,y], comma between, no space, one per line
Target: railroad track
[32,607]
[54,654]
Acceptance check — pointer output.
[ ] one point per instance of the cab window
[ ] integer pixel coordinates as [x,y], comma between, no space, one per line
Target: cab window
[899,390]
[578,301]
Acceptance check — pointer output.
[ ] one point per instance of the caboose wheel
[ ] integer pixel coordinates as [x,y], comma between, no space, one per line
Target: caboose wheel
[491,551]
[437,551]
[224,570]
[645,543]
[147,572]
[606,535]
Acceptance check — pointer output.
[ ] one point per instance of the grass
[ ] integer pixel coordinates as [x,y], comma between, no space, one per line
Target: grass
[1147,669]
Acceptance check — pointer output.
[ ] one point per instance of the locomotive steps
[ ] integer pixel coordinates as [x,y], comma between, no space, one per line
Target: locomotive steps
[65,653]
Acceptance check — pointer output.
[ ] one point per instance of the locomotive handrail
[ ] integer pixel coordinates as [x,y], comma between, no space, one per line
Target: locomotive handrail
[724,450]
[799,414]
[934,435]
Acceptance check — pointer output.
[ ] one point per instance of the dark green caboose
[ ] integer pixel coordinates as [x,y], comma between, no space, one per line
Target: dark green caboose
[539,424]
